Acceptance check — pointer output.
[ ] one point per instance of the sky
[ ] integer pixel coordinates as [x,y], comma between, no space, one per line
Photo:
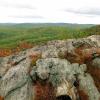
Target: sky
[50,11]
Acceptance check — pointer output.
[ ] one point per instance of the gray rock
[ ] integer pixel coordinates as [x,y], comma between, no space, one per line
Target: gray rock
[87,84]
[50,52]
[84,42]
[33,73]
[4,66]
[18,57]
[83,68]
[57,43]
[96,62]
[53,68]
[15,77]
[78,69]
[69,46]
[6,62]
[43,69]
[96,39]
[26,92]
[58,69]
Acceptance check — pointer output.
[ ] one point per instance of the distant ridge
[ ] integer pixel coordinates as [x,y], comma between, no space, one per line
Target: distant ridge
[94,30]
[32,25]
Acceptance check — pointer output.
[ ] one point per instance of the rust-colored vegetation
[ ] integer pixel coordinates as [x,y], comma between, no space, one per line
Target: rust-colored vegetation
[95,72]
[21,46]
[83,95]
[5,52]
[77,57]
[82,56]
[44,91]
[1,98]
[25,45]
[34,57]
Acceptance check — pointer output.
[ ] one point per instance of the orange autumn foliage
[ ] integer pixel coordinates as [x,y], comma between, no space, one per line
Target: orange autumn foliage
[5,52]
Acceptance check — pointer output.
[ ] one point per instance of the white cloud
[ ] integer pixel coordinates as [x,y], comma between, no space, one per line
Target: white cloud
[85,11]
[15,4]
[74,11]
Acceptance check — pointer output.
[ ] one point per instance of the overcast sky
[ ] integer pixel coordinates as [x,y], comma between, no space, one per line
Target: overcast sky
[67,11]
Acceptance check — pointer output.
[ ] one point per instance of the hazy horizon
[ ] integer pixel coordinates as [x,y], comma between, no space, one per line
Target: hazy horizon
[38,23]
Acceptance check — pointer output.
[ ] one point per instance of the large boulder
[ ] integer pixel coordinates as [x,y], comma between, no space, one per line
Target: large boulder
[14,78]
[56,70]
[53,68]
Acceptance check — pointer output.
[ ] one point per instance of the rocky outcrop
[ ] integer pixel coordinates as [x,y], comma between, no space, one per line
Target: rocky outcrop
[56,70]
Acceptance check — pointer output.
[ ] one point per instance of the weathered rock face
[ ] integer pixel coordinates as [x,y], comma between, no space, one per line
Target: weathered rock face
[54,71]
[14,78]
[23,93]
[87,84]
[96,62]
[95,38]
